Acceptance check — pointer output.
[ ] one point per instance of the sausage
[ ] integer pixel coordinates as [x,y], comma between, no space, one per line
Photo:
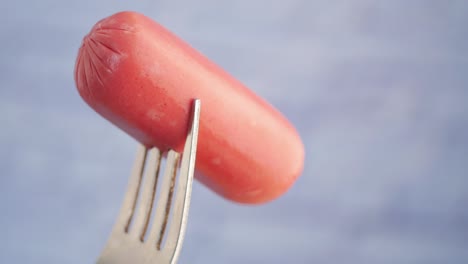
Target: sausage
[142,78]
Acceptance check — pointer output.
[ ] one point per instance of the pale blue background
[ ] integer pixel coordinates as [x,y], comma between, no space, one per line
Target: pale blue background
[377,89]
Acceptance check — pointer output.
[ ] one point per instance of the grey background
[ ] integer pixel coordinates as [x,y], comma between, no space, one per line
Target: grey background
[377,90]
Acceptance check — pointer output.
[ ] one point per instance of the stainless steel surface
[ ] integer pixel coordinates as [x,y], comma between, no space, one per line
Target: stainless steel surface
[134,239]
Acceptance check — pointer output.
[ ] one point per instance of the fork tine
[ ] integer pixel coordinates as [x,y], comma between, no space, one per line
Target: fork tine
[164,201]
[126,243]
[184,187]
[148,191]
[130,199]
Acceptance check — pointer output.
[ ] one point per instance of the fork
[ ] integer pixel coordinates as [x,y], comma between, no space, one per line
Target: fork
[131,240]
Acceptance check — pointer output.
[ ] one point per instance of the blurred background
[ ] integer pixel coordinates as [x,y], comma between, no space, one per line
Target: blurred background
[377,89]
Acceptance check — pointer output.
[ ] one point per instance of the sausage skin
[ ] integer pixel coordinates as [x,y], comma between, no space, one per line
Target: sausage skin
[142,78]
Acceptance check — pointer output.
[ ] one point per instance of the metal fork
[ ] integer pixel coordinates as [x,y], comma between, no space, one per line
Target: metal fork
[131,240]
